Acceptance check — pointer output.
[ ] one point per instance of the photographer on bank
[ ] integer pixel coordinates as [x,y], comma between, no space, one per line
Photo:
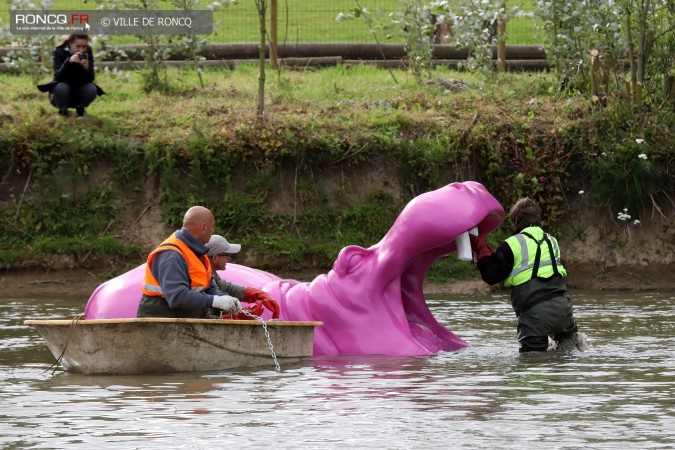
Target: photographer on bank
[73,84]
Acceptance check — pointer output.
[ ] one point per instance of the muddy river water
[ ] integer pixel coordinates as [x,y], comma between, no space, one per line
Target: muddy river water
[619,393]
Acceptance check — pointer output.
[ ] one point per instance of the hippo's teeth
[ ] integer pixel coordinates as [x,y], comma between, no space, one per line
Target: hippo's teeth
[464,247]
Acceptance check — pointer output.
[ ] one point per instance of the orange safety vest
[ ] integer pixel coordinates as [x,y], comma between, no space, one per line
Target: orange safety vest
[200,269]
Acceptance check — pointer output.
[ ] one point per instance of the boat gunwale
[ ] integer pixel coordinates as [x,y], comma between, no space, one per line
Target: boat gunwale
[135,320]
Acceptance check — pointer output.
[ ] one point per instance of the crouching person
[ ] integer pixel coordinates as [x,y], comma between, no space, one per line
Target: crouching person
[73,84]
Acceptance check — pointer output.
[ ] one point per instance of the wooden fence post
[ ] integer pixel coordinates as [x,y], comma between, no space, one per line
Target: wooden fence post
[595,69]
[274,59]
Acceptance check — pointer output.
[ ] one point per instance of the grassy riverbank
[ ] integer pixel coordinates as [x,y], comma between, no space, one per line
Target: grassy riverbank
[337,155]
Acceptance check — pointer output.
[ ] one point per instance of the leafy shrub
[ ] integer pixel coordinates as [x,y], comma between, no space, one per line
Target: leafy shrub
[625,178]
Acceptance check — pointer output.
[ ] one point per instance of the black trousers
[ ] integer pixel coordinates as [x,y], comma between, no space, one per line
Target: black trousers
[64,97]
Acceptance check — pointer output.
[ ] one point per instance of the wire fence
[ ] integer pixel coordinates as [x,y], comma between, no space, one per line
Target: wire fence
[298,21]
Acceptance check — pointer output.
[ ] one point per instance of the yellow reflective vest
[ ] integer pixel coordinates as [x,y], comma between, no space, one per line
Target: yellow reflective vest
[535,254]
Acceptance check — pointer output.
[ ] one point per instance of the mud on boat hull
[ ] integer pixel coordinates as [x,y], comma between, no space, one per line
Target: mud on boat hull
[158,345]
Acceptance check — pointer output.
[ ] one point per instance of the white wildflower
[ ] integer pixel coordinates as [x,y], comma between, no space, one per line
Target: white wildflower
[640,141]
[623,216]
[637,222]
[581,192]
[642,156]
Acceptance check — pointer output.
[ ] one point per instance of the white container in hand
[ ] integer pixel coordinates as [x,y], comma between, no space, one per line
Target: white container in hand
[464,252]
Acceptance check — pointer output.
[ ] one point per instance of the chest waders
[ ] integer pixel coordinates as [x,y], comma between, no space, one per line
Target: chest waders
[527,292]
[552,315]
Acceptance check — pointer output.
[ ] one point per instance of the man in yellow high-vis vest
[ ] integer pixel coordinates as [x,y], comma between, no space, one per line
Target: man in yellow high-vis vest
[529,263]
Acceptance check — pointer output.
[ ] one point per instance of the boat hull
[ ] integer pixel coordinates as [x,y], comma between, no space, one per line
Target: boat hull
[159,345]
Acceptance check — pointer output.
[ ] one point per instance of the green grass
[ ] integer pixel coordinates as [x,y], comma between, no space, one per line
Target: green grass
[342,96]
[304,21]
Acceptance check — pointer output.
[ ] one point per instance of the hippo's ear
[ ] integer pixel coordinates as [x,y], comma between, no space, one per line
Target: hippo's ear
[350,259]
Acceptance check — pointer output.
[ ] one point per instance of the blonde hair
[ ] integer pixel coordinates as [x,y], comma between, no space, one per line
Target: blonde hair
[525,213]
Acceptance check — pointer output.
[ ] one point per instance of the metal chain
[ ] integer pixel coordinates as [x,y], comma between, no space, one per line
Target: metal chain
[267,335]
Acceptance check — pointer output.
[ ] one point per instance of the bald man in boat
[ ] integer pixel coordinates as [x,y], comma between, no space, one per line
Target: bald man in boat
[178,275]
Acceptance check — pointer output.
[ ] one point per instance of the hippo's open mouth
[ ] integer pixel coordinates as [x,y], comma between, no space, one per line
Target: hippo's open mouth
[372,302]
[441,229]
[424,327]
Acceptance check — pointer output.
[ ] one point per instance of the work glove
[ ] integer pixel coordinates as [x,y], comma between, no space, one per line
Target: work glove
[227,303]
[253,295]
[271,305]
[254,308]
[479,246]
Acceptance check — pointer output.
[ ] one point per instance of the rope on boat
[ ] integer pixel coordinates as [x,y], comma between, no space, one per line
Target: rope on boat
[73,323]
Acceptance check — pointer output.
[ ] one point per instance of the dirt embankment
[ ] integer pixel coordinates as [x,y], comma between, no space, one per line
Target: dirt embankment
[81,283]
[599,252]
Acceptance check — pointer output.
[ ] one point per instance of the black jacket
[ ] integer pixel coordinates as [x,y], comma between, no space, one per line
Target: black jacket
[72,73]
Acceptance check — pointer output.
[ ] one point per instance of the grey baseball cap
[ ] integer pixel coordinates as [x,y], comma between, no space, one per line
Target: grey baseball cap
[218,245]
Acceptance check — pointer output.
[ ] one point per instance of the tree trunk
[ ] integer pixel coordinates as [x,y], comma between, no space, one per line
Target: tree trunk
[274,60]
[262,7]
[631,52]
[642,47]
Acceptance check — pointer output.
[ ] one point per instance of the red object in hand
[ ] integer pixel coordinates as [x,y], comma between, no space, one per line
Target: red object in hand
[254,308]
[480,246]
[259,300]
[255,295]
[252,294]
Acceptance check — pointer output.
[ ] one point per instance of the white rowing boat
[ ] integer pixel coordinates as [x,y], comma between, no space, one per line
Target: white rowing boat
[157,345]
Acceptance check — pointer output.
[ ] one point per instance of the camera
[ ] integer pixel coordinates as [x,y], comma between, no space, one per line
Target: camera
[83,56]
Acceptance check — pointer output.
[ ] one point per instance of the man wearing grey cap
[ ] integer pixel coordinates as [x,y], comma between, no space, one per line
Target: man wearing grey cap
[220,252]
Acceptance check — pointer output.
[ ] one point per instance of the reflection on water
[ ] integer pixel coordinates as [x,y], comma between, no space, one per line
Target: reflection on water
[619,393]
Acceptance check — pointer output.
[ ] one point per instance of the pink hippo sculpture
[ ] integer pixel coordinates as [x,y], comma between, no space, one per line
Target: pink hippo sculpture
[371,302]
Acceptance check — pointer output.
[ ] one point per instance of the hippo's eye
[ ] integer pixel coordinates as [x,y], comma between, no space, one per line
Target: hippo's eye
[350,259]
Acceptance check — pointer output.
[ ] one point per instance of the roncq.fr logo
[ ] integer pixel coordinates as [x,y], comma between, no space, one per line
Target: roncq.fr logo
[50,19]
